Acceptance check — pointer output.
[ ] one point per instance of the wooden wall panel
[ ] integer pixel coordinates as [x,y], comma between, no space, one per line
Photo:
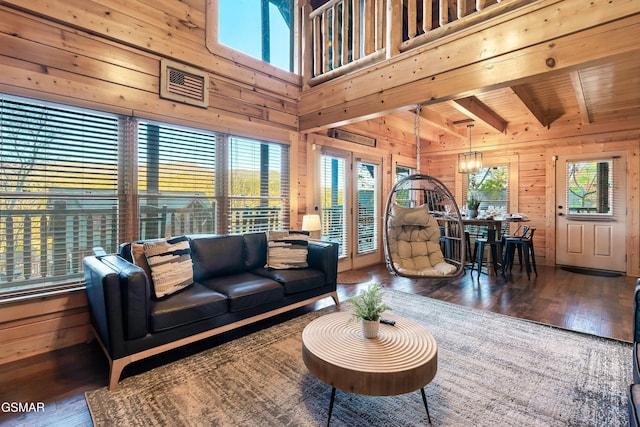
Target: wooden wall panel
[105,54]
[43,324]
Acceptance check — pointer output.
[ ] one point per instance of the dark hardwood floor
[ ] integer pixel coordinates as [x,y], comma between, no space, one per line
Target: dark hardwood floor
[590,304]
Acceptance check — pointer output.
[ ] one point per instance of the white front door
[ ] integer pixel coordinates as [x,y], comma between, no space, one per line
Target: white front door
[591,211]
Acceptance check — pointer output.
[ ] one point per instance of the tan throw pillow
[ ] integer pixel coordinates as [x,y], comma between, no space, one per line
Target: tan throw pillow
[137,255]
[286,250]
[170,264]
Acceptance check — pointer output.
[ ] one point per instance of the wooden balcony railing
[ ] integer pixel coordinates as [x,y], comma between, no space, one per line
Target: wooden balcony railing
[43,241]
[343,35]
[41,246]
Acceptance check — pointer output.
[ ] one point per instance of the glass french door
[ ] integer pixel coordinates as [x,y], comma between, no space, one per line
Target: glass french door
[350,201]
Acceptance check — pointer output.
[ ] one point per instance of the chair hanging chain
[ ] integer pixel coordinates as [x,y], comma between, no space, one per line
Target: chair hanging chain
[416,132]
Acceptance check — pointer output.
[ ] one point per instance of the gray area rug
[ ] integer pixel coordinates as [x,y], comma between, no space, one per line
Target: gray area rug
[493,370]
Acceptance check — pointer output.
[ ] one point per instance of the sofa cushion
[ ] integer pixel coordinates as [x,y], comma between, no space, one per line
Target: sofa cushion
[296,280]
[286,250]
[197,302]
[171,266]
[217,256]
[255,246]
[246,290]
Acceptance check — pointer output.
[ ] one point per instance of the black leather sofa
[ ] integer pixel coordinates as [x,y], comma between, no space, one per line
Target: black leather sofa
[231,288]
[634,389]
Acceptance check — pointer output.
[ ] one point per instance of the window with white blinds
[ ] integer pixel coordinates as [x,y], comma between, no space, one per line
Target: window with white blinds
[58,192]
[333,193]
[176,180]
[73,179]
[258,185]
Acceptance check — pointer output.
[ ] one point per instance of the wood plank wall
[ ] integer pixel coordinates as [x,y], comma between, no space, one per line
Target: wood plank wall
[45,324]
[105,54]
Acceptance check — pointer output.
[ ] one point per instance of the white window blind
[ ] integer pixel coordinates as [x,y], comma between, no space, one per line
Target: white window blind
[368,207]
[176,180]
[59,187]
[258,185]
[334,210]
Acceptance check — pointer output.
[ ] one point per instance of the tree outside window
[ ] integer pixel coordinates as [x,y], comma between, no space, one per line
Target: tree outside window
[490,187]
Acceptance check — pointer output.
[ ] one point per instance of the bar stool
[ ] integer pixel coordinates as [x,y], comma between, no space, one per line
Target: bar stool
[467,241]
[524,245]
[478,250]
[445,243]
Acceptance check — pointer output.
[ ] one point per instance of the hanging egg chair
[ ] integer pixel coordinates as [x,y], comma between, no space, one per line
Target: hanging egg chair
[423,230]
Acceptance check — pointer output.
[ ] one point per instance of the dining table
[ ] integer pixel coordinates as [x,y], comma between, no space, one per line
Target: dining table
[493,226]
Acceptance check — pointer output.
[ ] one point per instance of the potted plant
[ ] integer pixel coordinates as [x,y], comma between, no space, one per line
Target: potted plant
[367,306]
[473,203]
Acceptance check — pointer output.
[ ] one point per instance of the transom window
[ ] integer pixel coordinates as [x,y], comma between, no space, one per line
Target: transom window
[262,29]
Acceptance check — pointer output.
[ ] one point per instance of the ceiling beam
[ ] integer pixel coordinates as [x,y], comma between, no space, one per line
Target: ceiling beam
[578,89]
[473,108]
[441,123]
[523,97]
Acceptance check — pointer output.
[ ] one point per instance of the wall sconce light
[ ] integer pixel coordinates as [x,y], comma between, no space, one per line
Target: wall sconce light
[311,223]
[469,162]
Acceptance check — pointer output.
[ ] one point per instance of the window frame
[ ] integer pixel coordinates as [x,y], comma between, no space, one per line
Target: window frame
[126,194]
[71,130]
[214,46]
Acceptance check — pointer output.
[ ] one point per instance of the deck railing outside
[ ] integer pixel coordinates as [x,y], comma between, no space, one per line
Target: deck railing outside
[47,246]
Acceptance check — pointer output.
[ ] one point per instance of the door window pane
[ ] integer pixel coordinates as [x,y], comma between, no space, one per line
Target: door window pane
[334,213]
[589,187]
[367,227]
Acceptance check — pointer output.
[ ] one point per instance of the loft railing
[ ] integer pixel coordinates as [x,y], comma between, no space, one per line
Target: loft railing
[344,35]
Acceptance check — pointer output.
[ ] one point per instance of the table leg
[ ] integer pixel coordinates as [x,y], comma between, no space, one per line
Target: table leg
[424,399]
[333,396]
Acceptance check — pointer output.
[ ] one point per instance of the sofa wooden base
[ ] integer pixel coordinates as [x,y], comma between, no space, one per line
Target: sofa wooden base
[116,366]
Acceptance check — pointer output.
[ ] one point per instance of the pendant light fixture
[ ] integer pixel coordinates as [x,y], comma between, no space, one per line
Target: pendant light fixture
[472,161]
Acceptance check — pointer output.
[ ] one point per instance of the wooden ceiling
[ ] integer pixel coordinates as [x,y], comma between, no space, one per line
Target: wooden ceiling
[597,99]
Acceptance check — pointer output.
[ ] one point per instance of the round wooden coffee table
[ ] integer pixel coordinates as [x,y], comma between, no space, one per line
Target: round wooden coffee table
[403,358]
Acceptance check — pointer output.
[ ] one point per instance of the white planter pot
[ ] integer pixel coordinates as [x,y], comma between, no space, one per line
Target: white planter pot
[370,328]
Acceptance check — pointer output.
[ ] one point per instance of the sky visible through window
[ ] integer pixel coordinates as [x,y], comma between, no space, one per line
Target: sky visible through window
[240,28]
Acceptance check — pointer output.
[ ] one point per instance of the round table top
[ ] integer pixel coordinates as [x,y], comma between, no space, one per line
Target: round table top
[401,359]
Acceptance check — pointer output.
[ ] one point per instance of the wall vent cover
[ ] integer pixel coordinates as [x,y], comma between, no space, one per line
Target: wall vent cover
[185,84]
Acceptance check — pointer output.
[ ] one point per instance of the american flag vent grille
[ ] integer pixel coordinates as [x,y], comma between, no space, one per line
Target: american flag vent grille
[185,84]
